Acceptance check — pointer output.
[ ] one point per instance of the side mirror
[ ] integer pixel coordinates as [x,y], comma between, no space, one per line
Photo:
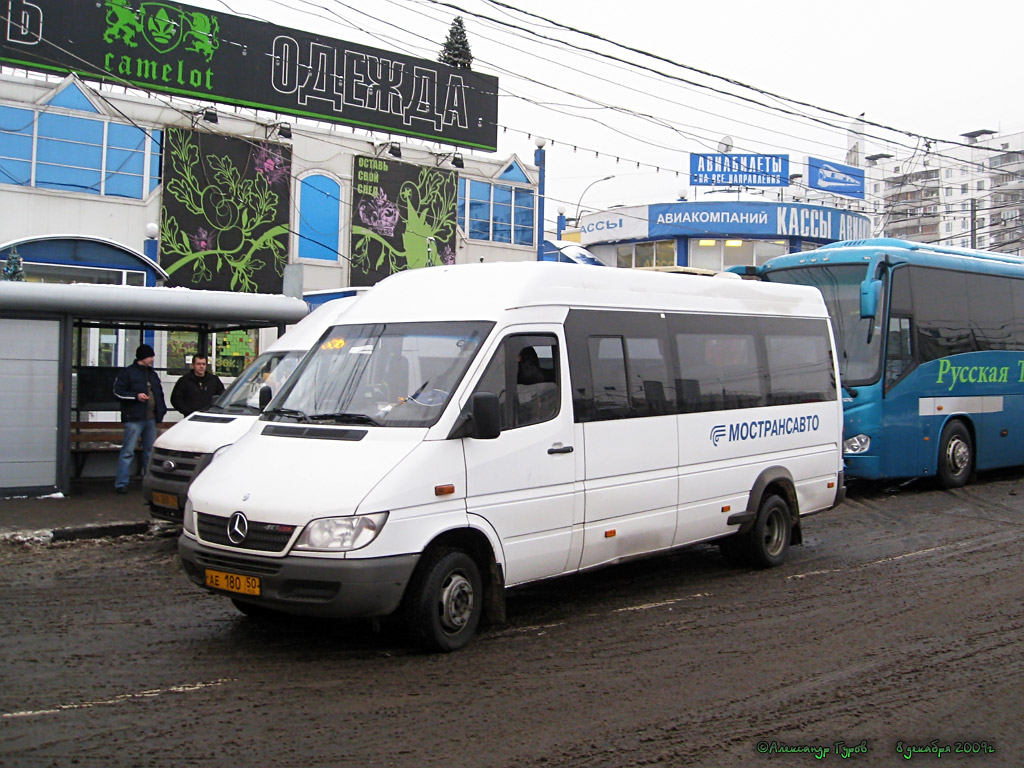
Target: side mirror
[266,395]
[486,415]
[870,297]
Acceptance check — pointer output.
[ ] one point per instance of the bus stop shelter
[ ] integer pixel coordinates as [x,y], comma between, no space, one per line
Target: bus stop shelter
[41,384]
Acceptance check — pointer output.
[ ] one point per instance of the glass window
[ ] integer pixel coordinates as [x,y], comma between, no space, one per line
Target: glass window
[943,324]
[524,375]
[718,363]
[388,375]
[78,154]
[319,218]
[501,213]
[799,361]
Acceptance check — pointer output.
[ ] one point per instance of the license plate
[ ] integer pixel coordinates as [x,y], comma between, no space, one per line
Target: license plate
[162,499]
[232,582]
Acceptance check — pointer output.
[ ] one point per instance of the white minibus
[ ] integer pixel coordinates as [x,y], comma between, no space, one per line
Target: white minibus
[181,453]
[470,428]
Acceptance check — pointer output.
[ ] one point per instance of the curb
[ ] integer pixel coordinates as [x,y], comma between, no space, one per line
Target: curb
[79,533]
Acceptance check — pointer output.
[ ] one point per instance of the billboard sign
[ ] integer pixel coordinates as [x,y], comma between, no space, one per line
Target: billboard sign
[750,219]
[226,206]
[836,178]
[216,57]
[730,170]
[403,217]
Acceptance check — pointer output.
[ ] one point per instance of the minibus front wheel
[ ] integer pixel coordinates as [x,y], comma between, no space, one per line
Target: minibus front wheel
[445,600]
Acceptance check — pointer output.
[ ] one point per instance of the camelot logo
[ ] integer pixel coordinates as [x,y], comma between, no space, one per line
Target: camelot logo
[755,430]
[163,26]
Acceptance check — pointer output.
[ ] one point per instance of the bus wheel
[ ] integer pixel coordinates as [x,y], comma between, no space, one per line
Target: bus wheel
[956,455]
[768,540]
[446,601]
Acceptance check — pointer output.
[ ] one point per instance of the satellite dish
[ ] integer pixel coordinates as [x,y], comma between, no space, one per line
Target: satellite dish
[725,145]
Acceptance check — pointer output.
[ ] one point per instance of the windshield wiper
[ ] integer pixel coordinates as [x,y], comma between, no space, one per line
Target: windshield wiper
[287,412]
[345,418]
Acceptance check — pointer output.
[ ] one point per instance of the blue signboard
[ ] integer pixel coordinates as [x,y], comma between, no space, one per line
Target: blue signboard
[739,170]
[836,178]
[795,220]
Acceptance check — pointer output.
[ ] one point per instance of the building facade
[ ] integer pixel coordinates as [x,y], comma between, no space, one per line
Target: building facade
[714,235]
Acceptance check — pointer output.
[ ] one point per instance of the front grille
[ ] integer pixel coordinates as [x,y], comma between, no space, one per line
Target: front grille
[186,464]
[261,537]
[220,561]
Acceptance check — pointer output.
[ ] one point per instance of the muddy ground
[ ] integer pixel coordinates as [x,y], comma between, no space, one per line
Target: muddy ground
[897,626]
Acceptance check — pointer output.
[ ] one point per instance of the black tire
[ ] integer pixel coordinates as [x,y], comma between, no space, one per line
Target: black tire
[956,455]
[445,601]
[766,543]
[769,538]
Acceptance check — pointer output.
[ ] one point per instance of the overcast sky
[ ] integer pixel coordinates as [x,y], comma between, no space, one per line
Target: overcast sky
[936,69]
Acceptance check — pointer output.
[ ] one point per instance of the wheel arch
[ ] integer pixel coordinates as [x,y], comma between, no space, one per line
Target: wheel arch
[477,544]
[773,480]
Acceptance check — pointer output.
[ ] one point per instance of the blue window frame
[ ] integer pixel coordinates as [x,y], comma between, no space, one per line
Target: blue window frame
[501,213]
[319,218]
[75,153]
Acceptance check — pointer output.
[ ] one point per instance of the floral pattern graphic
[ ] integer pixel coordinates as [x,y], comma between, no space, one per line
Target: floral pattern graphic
[406,220]
[224,223]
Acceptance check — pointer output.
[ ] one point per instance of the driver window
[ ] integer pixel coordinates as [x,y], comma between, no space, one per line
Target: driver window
[524,375]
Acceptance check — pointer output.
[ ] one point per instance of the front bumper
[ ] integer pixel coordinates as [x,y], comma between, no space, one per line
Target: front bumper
[356,588]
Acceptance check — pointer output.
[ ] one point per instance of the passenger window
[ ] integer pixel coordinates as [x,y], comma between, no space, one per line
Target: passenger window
[524,375]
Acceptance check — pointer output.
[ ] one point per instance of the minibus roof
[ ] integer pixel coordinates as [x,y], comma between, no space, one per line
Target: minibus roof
[305,333]
[484,291]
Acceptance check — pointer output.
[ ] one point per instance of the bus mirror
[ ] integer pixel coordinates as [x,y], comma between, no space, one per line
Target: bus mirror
[870,297]
[486,415]
[266,395]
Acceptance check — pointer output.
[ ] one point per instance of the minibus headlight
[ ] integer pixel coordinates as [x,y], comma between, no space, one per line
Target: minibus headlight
[188,521]
[341,534]
[857,444]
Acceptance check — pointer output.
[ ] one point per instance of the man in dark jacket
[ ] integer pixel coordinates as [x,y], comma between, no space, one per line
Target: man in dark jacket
[142,408]
[197,389]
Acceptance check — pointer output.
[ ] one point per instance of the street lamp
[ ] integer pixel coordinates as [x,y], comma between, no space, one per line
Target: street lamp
[540,161]
[606,178]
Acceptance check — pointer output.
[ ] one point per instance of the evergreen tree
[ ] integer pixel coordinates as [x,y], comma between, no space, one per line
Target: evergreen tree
[14,270]
[456,51]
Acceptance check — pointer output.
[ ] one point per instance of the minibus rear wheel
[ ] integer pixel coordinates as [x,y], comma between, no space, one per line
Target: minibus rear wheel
[445,600]
[766,543]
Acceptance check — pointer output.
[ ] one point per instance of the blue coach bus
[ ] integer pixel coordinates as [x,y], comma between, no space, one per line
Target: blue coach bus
[931,345]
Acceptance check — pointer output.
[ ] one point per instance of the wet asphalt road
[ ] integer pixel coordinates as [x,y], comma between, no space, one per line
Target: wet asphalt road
[897,626]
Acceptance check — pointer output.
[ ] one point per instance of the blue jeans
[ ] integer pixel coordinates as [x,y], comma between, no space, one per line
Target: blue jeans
[133,430]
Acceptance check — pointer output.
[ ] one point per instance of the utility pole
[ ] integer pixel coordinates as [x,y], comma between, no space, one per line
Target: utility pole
[974,223]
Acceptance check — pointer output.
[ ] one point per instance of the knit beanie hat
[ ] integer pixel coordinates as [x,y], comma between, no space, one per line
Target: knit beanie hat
[144,351]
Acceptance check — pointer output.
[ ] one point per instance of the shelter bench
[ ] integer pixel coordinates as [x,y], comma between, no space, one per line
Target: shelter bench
[88,437]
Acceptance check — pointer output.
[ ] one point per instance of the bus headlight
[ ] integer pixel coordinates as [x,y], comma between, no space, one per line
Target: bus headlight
[341,534]
[188,521]
[856,444]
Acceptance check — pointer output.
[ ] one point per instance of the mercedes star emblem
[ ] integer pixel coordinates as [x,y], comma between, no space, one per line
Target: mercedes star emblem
[168,466]
[238,527]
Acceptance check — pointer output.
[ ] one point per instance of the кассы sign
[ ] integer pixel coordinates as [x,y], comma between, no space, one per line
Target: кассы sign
[203,54]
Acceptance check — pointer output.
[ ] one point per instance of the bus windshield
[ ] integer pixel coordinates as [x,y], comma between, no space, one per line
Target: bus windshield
[385,375]
[269,369]
[859,358]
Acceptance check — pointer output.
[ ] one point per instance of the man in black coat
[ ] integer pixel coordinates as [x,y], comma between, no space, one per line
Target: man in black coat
[197,389]
[138,389]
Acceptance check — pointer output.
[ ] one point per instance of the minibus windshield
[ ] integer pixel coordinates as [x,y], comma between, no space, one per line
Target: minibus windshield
[386,375]
[269,369]
[859,356]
